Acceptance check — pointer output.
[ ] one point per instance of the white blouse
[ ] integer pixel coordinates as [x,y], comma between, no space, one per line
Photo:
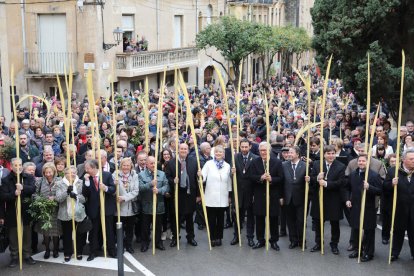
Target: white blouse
[218,184]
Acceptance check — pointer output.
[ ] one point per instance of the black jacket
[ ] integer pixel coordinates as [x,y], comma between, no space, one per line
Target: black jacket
[259,187]
[355,187]
[244,183]
[333,198]
[93,200]
[8,198]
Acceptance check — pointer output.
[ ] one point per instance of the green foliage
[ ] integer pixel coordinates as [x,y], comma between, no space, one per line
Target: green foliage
[350,29]
[41,210]
[7,151]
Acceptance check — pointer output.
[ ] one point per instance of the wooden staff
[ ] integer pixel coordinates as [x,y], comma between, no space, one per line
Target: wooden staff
[368,104]
[364,192]
[146,115]
[200,179]
[118,205]
[177,226]
[308,127]
[236,195]
[397,164]
[279,119]
[266,104]
[237,96]
[94,127]
[19,203]
[325,87]
[157,146]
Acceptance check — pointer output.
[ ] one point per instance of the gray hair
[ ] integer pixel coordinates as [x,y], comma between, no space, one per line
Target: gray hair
[92,163]
[70,168]
[264,145]
[204,145]
[406,152]
[26,165]
[18,159]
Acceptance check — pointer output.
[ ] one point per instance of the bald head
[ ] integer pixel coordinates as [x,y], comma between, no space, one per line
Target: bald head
[183,151]
[150,163]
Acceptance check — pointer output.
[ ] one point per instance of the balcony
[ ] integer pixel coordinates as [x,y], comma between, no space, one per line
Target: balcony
[251,1]
[144,63]
[48,64]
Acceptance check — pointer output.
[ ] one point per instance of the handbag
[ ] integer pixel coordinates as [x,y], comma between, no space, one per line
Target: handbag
[84,226]
[4,238]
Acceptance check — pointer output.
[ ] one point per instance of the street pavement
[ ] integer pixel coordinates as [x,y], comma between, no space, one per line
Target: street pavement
[228,260]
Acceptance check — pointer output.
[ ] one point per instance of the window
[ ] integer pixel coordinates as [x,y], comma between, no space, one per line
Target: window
[178,31]
[209,14]
[136,84]
[128,26]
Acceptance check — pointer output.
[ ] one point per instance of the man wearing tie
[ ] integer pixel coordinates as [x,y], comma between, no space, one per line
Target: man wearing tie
[331,180]
[260,177]
[92,186]
[187,192]
[243,160]
[140,167]
[294,172]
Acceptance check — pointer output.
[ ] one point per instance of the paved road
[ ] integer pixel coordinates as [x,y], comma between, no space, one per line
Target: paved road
[227,260]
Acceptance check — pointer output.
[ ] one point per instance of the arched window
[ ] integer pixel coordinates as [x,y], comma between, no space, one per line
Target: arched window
[209,14]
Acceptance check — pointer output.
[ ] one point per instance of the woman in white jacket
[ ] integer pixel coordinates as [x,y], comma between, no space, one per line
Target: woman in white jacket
[217,175]
[128,192]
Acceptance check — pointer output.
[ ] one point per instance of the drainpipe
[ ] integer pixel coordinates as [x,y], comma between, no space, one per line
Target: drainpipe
[158,23]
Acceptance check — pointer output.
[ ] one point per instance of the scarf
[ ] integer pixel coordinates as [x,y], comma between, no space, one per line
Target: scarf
[68,198]
[219,164]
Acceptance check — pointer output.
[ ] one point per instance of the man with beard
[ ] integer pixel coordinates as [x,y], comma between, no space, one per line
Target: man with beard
[243,161]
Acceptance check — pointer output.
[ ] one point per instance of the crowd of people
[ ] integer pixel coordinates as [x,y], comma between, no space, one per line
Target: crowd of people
[134,46]
[41,170]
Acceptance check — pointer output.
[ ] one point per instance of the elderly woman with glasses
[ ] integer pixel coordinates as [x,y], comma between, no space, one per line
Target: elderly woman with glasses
[216,174]
[46,188]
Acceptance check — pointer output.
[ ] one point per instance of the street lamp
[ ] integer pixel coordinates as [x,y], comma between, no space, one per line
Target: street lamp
[117,37]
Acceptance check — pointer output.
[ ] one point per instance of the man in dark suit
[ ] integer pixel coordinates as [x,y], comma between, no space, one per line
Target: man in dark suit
[404,213]
[331,180]
[9,191]
[188,192]
[92,186]
[356,182]
[260,177]
[140,167]
[243,160]
[294,195]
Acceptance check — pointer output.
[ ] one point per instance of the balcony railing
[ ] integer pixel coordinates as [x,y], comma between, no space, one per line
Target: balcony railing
[141,63]
[50,63]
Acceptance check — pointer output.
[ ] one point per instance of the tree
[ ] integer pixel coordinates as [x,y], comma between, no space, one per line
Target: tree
[233,38]
[350,29]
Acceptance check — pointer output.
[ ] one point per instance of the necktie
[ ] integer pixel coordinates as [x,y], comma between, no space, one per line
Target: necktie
[95,181]
[294,171]
[327,171]
[244,164]
[183,180]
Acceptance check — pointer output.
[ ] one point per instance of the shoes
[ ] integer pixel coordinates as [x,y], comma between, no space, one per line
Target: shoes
[200,227]
[164,236]
[13,263]
[91,257]
[55,254]
[160,246]
[192,242]
[130,250]
[67,259]
[234,241]
[275,246]
[112,254]
[351,248]
[282,234]
[29,261]
[79,257]
[47,254]
[335,250]
[228,225]
[250,242]
[293,245]
[213,243]
[258,245]
[385,241]
[173,242]
[353,255]
[316,248]
[366,258]
[394,258]
[218,242]
[144,248]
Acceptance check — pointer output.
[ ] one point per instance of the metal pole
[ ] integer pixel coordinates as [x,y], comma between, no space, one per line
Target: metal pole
[120,248]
